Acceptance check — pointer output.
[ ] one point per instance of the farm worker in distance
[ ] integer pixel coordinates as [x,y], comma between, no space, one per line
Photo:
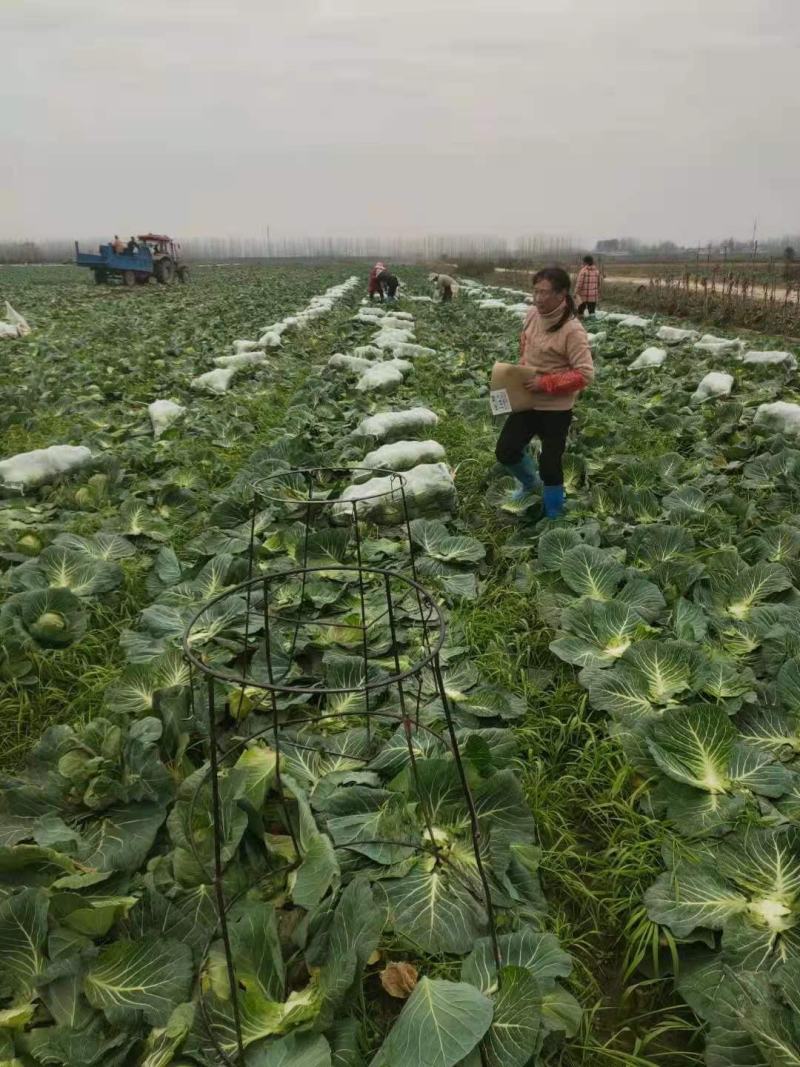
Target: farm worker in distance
[117,245]
[373,285]
[587,287]
[445,286]
[388,283]
[131,247]
[554,343]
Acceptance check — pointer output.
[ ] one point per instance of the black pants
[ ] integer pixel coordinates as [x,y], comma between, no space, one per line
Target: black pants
[388,283]
[447,294]
[590,304]
[551,427]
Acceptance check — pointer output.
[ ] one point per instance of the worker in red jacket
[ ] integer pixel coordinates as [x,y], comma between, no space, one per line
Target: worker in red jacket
[373,285]
[554,344]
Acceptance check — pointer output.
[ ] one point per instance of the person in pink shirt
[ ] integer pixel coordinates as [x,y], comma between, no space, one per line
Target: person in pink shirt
[555,345]
[587,287]
[373,285]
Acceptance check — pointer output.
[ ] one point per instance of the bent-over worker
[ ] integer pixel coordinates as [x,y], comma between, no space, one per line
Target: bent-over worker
[388,283]
[554,344]
[445,286]
[373,285]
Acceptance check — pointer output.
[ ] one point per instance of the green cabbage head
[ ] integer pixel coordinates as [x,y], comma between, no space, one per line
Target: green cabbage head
[44,618]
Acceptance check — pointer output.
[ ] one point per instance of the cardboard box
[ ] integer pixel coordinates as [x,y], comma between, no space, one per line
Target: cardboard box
[507,391]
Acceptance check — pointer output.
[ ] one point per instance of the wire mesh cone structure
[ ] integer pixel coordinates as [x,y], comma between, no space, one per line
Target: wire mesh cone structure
[307,702]
[333,521]
[316,493]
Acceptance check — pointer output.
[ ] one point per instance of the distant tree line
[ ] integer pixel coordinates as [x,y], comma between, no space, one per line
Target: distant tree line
[522,250]
[774,248]
[406,249]
[25,252]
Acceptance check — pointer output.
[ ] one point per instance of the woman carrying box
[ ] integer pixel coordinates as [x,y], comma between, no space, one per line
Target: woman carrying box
[554,344]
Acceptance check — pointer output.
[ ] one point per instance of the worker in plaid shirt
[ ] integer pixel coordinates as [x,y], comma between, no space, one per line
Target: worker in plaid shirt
[587,287]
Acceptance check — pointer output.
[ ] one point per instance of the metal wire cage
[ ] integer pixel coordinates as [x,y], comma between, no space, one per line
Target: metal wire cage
[336,511]
[309,677]
[339,498]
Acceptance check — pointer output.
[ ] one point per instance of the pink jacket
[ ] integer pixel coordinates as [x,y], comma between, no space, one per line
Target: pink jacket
[587,286]
[562,360]
[372,284]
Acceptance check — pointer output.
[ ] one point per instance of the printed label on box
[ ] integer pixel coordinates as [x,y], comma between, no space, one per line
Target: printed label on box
[499,402]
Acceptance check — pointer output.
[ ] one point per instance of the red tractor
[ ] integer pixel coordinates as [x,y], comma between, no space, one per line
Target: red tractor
[166,253]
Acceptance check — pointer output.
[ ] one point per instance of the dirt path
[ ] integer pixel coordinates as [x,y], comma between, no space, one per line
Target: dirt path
[756,294]
[627,279]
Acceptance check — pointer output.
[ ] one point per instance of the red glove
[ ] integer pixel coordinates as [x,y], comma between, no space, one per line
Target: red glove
[567,381]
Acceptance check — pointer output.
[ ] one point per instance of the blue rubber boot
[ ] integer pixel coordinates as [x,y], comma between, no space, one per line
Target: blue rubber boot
[553,501]
[527,474]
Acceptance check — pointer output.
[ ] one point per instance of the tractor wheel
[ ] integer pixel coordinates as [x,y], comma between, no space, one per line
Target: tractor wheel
[165,271]
[100,276]
[128,277]
[183,275]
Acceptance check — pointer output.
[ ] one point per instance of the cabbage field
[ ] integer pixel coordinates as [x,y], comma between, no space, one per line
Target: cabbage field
[624,686]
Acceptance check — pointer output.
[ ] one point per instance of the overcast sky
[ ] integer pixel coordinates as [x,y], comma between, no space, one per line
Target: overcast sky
[670,119]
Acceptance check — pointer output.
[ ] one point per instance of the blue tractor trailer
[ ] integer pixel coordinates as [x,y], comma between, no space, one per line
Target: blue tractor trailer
[151,255]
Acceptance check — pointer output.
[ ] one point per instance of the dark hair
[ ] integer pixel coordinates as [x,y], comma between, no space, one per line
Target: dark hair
[589,261]
[559,279]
